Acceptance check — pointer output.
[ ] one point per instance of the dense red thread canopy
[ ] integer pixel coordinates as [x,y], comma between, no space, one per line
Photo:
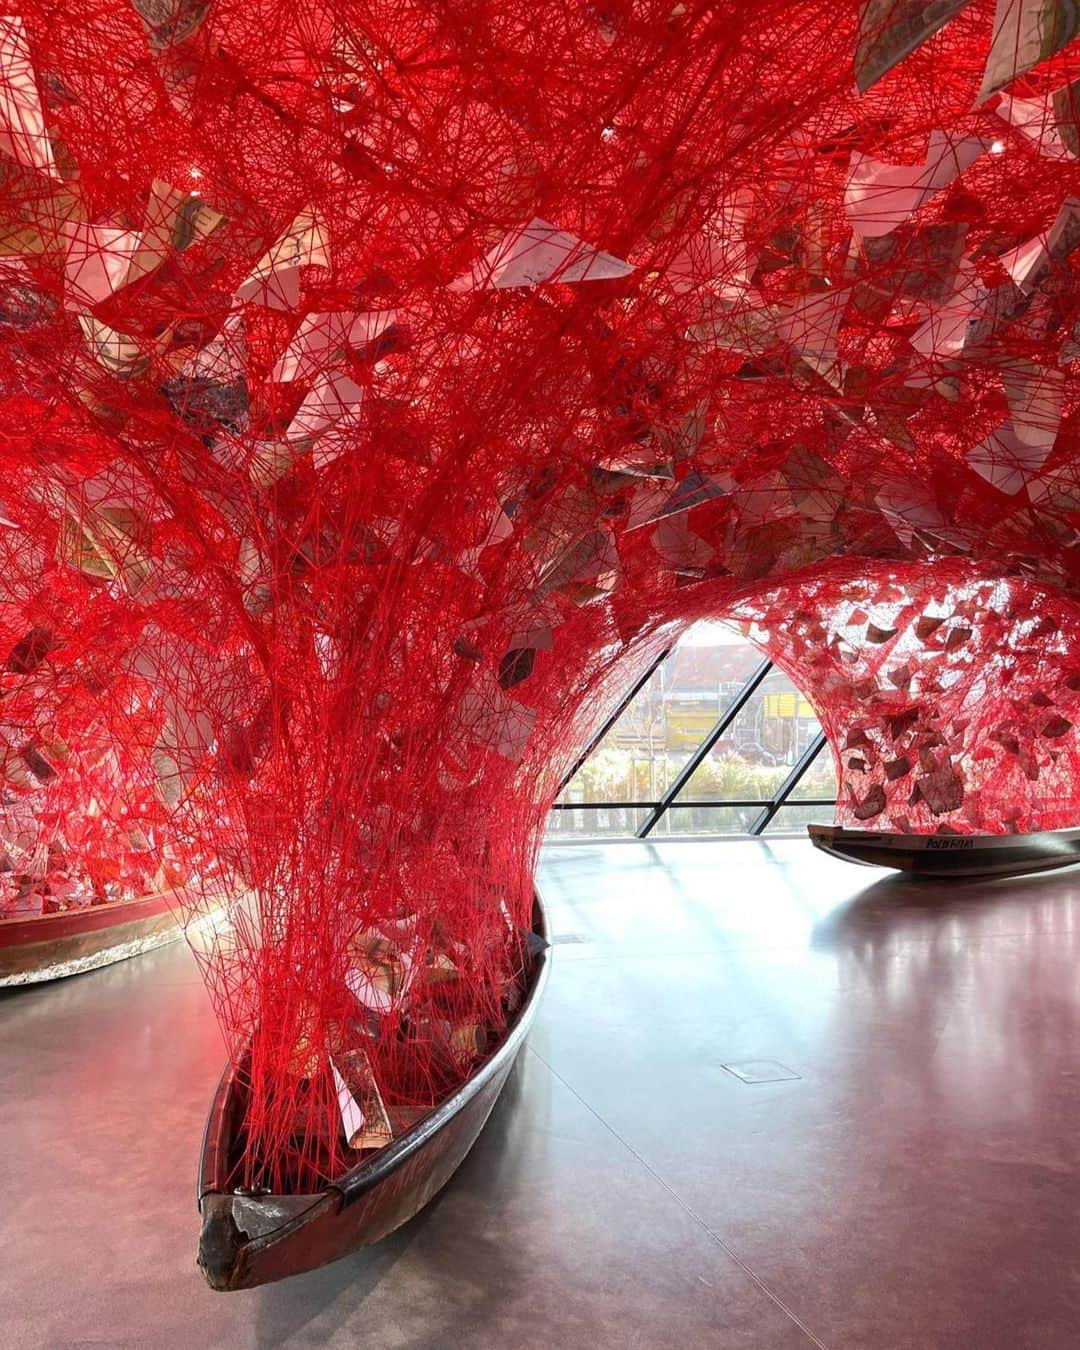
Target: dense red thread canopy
[382,384]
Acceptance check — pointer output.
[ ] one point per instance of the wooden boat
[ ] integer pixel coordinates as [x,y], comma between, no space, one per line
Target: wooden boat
[951,855]
[248,1239]
[45,946]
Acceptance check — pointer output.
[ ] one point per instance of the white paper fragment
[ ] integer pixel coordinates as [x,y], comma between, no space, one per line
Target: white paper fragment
[22,119]
[1025,33]
[811,326]
[275,279]
[320,338]
[1027,263]
[333,401]
[653,504]
[1034,119]
[720,253]
[1034,394]
[103,258]
[879,197]
[1004,460]
[496,722]
[944,332]
[1017,450]
[766,499]
[537,637]
[369,994]
[352,1118]
[116,352]
[366,992]
[540,252]
[889,30]
[224,358]
[908,508]
[97,262]
[328,650]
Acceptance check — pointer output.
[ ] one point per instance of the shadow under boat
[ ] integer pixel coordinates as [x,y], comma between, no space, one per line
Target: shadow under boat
[47,946]
[249,1239]
[951,855]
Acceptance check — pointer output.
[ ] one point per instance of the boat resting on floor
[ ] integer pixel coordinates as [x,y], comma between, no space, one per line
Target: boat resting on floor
[249,1239]
[47,946]
[952,855]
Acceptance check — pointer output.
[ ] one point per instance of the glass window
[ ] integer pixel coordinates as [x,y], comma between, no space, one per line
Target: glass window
[650,743]
[794,819]
[757,752]
[684,819]
[620,822]
[662,729]
[818,783]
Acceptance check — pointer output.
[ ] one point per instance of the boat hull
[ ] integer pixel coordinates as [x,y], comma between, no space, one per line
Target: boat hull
[957,856]
[51,945]
[247,1241]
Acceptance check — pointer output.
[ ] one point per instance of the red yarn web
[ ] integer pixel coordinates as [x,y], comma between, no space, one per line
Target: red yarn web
[384,384]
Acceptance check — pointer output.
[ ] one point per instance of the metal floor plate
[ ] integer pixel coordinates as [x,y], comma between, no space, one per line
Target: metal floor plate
[760,1071]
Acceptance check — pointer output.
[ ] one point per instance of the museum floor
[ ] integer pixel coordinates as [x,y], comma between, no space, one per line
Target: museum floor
[911,1180]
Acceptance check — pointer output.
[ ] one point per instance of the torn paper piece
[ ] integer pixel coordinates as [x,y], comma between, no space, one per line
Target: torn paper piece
[333,401]
[720,253]
[736,319]
[224,358]
[321,338]
[694,490]
[352,1117]
[764,500]
[275,279]
[170,22]
[1029,263]
[97,263]
[1037,120]
[353,1071]
[586,559]
[537,253]
[383,966]
[908,509]
[22,120]
[1025,33]
[1019,448]
[879,197]
[811,325]
[174,221]
[494,721]
[946,329]
[115,352]
[889,30]
[1006,460]
[1034,395]
[370,991]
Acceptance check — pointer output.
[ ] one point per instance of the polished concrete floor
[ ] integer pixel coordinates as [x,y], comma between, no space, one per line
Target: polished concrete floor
[910,1176]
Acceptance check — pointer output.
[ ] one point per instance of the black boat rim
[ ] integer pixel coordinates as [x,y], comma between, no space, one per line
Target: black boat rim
[370,1172]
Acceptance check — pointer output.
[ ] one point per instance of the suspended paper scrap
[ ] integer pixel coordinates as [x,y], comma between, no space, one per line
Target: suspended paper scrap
[22,119]
[322,338]
[1025,33]
[879,197]
[540,252]
[889,30]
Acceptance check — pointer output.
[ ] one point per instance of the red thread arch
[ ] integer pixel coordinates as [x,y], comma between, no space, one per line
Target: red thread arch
[383,383]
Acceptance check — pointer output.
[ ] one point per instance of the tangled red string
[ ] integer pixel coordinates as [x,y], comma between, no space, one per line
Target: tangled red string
[384,383]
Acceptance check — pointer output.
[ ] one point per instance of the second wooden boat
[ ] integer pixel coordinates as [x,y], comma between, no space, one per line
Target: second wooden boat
[951,855]
[248,1239]
[46,946]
